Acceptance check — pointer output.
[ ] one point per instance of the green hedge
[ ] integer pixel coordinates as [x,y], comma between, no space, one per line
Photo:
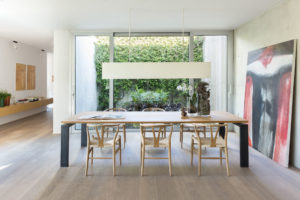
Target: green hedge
[143,49]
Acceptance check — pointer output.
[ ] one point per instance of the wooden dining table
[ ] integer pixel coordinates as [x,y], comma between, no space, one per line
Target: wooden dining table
[150,117]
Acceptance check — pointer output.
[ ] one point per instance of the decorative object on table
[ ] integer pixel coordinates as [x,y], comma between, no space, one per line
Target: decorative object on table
[269,98]
[187,90]
[183,112]
[198,100]
[203,100]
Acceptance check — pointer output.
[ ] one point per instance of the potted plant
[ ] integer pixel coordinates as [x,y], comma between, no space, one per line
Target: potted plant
[7,98]
[2,96]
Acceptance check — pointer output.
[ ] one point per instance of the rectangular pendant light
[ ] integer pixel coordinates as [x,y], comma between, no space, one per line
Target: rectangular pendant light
[156,70]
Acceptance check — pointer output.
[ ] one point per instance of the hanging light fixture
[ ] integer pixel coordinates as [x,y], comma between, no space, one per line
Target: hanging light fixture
[155,70]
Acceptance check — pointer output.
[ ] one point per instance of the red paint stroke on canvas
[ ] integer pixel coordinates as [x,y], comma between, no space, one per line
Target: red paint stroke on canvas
[280,149]
[266,56]
[248,104]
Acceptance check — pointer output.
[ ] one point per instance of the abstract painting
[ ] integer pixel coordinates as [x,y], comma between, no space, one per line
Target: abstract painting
[269,98]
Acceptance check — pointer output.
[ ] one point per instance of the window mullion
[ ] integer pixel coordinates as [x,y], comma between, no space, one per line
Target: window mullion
[111,81]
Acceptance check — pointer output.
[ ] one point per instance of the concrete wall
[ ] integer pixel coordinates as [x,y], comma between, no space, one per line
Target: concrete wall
[62,88]
[279,24]
[86,75]
[24,54]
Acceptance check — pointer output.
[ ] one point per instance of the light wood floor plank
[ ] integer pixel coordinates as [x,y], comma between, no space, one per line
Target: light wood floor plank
[29,169]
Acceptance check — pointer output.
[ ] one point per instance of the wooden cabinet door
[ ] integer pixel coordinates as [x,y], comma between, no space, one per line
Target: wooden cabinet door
[30,77]
[20,77]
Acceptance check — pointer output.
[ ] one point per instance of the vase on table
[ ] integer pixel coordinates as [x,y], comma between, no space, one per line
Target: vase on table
[192,105]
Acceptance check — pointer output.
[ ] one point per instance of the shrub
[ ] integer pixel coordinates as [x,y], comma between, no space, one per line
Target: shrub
[144,49]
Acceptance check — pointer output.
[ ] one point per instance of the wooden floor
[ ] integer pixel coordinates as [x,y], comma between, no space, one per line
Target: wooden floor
[29,169]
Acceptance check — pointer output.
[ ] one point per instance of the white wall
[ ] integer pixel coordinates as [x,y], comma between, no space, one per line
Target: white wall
[24,54]
[277,25]
[49,75]
[62,91]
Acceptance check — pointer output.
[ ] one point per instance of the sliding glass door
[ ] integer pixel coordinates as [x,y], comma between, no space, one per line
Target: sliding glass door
[94,93]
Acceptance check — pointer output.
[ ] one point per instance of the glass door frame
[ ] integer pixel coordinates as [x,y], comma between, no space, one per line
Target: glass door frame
[229,66]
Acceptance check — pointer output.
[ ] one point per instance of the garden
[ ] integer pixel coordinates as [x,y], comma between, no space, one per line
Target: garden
[137,94]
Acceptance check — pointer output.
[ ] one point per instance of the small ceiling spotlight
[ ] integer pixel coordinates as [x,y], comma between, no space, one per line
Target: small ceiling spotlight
[15,44]
[42,52]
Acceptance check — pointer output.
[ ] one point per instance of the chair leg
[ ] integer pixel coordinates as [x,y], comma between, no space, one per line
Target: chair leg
[170,159]
[114,160]
[199,160]
[181,135]
[192,151]
[87,161]
[92,159]
[221,160]
[227,162]
[204,133]
[143,159]
[120,149]
[124,135]
[141,154]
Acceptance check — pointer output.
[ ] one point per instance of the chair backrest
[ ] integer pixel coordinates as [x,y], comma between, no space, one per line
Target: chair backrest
[100,130]
[153,110]
[116,110]
[157,130]
[215,133]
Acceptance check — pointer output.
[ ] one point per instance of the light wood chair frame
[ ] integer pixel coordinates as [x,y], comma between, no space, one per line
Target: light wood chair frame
[157,141]
[151,109]
[101,143]
[214,137]
[122,125]
[190,128]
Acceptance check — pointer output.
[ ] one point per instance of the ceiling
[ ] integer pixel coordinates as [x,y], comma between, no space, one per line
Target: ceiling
[33,21]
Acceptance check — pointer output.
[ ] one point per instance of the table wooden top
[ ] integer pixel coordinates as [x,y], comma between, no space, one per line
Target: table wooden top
[155,117]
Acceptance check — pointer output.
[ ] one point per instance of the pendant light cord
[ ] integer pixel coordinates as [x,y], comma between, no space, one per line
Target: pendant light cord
[183,35]
[129,33]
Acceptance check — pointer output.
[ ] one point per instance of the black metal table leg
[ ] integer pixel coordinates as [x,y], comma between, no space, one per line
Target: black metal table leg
[83,135]
[64,142]
[222,130]
[244,149]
